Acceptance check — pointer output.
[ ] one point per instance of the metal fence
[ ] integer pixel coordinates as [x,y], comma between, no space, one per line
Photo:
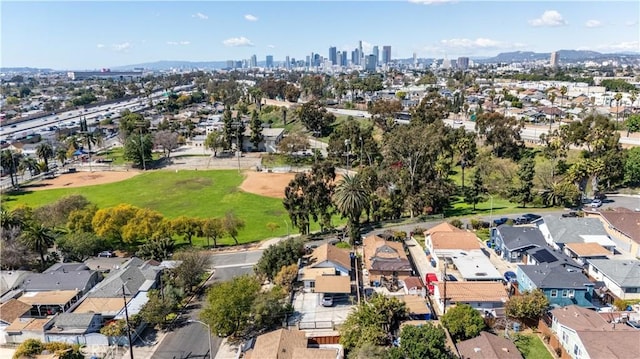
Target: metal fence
[316,325]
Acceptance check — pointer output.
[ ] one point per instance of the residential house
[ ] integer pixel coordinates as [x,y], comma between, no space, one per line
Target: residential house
[333,284]
[446,241]
[486,297]
[27,328]
[385,259]
[10,311]
[134,276]
[549,256]
[269,143]
[417,307]
[72,328]
[62,276]
[325,260]
[561,285]
[511,243]
[582,252]
[414,286]
[50,302]
[10,282]
[474,266]
[621,277]
[289,344]
[582,333]
[558,231]
[623,226]
[108,308]
[488,346]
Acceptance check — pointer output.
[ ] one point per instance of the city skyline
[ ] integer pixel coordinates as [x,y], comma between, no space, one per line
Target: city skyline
[62,35]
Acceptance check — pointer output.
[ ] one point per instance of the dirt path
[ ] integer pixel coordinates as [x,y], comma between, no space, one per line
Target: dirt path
[81,179]
[266,184]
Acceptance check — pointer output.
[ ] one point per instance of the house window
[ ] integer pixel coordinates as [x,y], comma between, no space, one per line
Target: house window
[572,293]
[576,350]
[565,293]
[565,337]
[554,293]
[631,290]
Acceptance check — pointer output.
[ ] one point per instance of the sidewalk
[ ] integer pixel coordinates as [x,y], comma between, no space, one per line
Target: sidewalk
[227,351]
[141,351]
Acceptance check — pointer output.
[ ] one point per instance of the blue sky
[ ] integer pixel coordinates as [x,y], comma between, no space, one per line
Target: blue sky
[91,34]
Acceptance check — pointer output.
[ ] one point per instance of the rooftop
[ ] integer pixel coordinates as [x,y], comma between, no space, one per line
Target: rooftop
[462,240]
[333,284]
[583,319]
[571,229]
[442,227]
[28,324]
[278,344]
[12,310]
[104,306]
[312,273]
[474,265]
[416,304]
[462,292]
[623,220]
[587,249]
[555,277]
[328,252]
[614,345]
[625,273]
[56,297]
[515,238]
[383,255]
[488,346]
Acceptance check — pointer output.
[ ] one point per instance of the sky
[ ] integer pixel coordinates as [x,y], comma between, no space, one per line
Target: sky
[83,35]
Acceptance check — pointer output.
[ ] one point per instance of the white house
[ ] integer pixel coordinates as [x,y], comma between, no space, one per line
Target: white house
[621,277]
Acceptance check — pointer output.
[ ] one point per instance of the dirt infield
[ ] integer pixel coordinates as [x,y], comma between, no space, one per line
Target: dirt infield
[266,184]
[81,179]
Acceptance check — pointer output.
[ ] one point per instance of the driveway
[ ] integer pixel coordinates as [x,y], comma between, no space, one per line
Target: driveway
[309,313]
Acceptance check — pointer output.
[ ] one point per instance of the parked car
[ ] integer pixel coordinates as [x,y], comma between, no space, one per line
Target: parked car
[634,324]
[596,203]
[510,276]
[570,214]
[106,254]
[327,300]
[527,218]
[499,221]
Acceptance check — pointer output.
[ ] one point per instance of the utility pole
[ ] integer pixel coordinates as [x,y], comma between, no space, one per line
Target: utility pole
[126,319]
[144,164]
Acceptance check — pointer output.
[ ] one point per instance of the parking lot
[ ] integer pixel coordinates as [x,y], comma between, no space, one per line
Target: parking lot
[309,313]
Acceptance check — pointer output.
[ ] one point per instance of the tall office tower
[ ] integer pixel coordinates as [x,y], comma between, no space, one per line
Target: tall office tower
[463,63]
[360,52]
[269,61]
[386,54]
[345,56]
[555,59]
[238,65]
[287,63]
[415,60]
[333,55]
[339,58]
[376,53]
[370,63]
[317,60]
[254,61]
[230,64]
[354,57]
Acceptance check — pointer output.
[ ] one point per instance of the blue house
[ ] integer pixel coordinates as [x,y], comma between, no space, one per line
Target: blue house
[561,285]
[511,243]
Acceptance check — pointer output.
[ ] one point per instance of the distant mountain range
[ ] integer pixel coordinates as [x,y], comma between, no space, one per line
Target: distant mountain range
[566,56]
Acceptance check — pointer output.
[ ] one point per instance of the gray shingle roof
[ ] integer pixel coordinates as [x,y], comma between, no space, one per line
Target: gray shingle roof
[569,230]
[66,267]
[555,277]
[548,256]
[74,321]
[625,273]
[81,280]
[521,237]
[133,274]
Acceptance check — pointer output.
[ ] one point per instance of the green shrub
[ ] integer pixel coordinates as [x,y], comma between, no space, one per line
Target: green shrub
[456,223]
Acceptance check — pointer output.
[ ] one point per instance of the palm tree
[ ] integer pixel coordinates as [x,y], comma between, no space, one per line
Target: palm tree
[8,162]
[8,220]
[351,198]
[38,238]
[45,151]
[552,99]
[61,154]
[618,98]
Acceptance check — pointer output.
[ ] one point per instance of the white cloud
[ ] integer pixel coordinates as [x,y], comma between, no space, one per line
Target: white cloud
[173,43]
[100,46]
[123,47]
[431,2]
[593,23]
[479,43]
[624,46]
[250,17]
[237,42]
[271,46]
[631,23]
[200,16]
[549,18]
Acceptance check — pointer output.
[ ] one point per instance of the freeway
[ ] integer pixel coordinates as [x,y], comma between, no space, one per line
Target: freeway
[191,338]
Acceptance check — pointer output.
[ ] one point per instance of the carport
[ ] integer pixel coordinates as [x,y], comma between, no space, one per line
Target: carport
[333,284]
[417,307]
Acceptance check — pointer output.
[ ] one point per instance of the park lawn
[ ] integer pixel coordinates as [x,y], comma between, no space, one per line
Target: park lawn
[200,194]
[534,348]
[116,154]
[495,207]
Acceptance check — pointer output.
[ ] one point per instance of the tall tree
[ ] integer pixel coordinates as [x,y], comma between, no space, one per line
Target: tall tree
[227,128]
[463,322]
[618,98]
[632,123]
[215,140]
[188,227]
[167,140]
[256,130]
[432,107]
[351,198]
[138,149]
[473,195]
[315,118]
[527,307]
[424,341]
[232,225]
[212,229]
[44,151]
[38,238]
[523,192]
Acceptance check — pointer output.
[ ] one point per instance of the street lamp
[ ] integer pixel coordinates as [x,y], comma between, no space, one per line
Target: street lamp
[347,143]
[491,211]
[286,224]
[208,333]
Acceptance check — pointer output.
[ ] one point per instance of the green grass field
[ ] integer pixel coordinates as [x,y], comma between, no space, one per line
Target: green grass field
[533,348]
[191,193]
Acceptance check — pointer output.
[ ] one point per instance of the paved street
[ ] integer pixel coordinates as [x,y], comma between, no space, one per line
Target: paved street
[191,339]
